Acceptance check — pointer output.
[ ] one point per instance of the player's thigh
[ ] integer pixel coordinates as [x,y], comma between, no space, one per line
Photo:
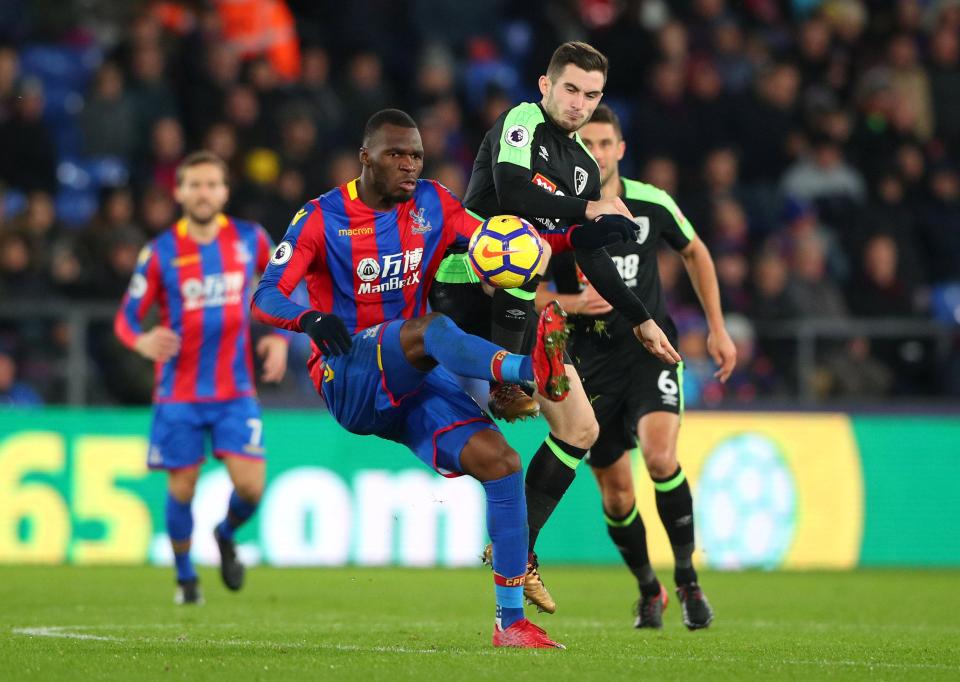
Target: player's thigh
[572,419]
[351,385]
[438,421]
[657,403]
[176,437]
[658,432]
[487,456]
[237,429]
[248,476]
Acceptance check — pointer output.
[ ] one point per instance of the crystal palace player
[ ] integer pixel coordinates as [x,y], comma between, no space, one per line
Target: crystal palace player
[199,273]
[368,251]
[631,391]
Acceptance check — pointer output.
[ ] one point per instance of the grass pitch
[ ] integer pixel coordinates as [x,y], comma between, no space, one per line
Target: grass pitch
[120,623]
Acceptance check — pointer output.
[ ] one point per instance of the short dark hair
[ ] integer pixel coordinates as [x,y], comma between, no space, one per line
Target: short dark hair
[604,114]
[200,158]
[393,117]
[585,56]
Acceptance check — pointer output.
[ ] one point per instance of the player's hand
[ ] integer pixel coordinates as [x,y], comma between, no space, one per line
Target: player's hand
[608,206]
[273,350]
[159,344]
[603,231]
[656,342]
[592,303]
[327,331]
[723,351]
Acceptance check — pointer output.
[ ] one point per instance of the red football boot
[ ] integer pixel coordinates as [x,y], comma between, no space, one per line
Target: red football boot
[524,635]
[548,371]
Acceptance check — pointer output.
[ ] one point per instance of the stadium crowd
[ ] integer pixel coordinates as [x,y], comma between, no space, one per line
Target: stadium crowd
[814,145]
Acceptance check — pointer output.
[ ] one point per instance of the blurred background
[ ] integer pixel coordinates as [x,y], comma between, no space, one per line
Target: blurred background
[814,145]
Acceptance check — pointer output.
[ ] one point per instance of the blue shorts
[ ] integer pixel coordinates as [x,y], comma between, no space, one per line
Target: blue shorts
[374,390]
[179,430]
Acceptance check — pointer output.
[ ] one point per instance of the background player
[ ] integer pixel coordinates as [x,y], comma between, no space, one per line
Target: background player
[533,163]
[631,391]
[368,250]
[199,272]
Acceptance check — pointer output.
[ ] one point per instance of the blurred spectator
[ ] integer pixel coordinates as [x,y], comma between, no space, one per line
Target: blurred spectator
[910,80]
[733,272]
[157,210]
[109,119]
[735,68]
[766,122]
[700,388]
[21,276]
[661,171]
[167,148]
[344,166]
[299,146]
[811,291]
[771,301]
[152,97]
[729,228]
[28,159]
[880,292]
[205,100]
[851,372]
[712,109]
[15,393]
[664,119]
[243,113]
[316,92]
[755,375]
[800,219]
[364,93]
[9,72]
[940,225]
[824,175]
[262,27]
[945,84]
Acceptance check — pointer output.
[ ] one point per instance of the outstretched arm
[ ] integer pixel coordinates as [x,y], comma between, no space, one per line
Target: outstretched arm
[703,276]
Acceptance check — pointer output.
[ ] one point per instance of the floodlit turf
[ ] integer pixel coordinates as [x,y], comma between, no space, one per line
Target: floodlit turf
[373,624]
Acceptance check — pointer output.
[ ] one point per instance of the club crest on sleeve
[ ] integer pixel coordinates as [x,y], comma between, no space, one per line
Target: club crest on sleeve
[517,136]
[282,253]
[138,286]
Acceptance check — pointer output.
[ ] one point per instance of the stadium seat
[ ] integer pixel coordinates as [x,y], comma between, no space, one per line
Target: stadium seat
[945,303]
[76,207]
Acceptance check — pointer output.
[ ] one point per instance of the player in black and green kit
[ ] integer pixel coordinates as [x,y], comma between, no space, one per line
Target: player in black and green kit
[632,392]
[532,163]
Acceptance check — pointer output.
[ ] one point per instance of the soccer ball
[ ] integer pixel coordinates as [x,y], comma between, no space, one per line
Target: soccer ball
[505,251]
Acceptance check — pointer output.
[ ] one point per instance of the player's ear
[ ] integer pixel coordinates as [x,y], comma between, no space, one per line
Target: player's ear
[544,84]
[364,156]
[621,150]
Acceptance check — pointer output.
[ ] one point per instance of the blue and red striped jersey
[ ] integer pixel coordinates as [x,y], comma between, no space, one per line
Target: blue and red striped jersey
[203,293]
[362,265]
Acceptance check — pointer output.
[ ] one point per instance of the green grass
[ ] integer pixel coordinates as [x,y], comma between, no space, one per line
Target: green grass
[436,624]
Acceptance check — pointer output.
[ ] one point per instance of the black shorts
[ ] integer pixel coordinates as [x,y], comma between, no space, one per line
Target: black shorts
[624,382]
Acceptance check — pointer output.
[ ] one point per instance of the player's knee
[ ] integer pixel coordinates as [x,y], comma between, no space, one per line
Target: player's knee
[502,461]
[183,483]
[618,498]
[583,431]
[249,491]
[661,461]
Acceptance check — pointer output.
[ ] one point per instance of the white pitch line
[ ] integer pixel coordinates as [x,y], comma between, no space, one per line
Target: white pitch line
[61,631]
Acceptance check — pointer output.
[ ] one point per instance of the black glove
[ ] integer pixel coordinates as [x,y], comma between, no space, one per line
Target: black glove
[604,230]
[327,331]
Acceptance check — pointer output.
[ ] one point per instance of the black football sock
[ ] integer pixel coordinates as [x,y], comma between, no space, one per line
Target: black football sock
[630,537]
[550,473]
[512,311]
[675,505]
